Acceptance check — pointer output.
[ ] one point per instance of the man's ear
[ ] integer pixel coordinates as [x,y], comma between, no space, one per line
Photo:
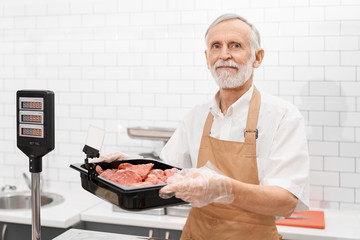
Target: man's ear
[207,61]
[259,56]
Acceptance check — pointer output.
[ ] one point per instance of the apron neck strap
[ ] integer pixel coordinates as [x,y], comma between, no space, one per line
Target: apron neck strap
[253,116]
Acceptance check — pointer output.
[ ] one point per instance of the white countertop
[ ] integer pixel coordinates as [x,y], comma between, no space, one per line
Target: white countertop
[340,225]
[103,213]
[76,234]
[63,215]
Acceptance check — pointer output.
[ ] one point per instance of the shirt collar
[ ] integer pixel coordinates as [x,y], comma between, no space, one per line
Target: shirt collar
[236,108]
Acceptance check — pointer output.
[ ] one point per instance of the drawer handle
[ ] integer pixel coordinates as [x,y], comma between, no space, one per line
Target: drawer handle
[3,232]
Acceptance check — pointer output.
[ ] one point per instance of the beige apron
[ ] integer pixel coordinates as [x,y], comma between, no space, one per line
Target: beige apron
[236,160]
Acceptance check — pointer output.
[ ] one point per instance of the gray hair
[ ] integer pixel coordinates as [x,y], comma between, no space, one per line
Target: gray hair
[254,36]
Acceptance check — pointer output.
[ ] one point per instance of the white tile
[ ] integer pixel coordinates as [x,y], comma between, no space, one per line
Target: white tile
[293,29]
[324,178]
[281,73]
[70,21]
[35,9]
[81,7]
[350,27]
[145,18]
[14,9]
[340,164]
[349,149]
[157,86]
[342,13]
[117,72]
[104,59]
[308,43]
[314,133]
[181,87]
[341,43]
[194,17]
[167,100]
[141,73]
[167,73]
[319,118]
[316,192]
[340,73]
[350,58]
[339,194]
[350,180]
[283,14]
[92,98]
[350,119]
[324,89]
[327,28]
[323,148]
[154,59]
[309,103]
[94,73]
[146,100]
[153,113]
[340,104]
[180,59]
[316,163]
[293,58]
[309,14]
[341,134]
[293,88]
[324,58]
[350,88]
[308,73]
[105,112]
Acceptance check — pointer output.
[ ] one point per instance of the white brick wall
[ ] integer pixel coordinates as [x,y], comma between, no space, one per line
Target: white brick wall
[117,65]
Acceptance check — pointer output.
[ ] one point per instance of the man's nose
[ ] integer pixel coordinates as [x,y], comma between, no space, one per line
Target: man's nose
[225,53]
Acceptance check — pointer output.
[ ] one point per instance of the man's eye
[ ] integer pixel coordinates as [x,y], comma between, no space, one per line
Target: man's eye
[216,46]
[236,45]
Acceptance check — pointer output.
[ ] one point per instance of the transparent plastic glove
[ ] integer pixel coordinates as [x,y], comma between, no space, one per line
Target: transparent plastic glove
[199,186]
[109,157]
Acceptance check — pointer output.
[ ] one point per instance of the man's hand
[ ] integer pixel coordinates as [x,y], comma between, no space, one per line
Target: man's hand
[109,157]
[199,186]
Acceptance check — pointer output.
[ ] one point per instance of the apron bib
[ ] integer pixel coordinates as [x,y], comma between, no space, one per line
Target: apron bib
[236,160]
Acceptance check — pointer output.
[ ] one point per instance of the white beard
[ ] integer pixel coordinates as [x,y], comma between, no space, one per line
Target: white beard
[224,78]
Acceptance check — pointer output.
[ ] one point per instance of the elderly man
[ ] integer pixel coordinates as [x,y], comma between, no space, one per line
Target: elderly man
[246,150]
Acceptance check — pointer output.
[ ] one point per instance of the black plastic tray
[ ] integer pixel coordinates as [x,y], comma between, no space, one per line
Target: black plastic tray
[125,197]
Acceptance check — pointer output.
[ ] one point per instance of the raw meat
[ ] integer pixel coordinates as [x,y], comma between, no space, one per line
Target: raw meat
[124,177]
[136,175]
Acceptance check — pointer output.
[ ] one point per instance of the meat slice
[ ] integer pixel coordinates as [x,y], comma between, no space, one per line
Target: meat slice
[108,173]
[141,169]
[152,178]
[124,166]
[99,169]
[159,174]
[125,177]
[169,172]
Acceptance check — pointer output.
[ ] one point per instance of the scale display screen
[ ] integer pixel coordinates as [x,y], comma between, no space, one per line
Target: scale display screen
[27,130]
[31,117]
[31,103]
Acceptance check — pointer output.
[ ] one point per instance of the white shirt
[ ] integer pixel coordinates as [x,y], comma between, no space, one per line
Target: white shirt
[281,147]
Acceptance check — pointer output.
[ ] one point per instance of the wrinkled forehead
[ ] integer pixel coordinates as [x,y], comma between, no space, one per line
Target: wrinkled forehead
[229,30]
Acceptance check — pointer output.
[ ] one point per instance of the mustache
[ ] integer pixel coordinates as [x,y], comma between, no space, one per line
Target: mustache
[228,63]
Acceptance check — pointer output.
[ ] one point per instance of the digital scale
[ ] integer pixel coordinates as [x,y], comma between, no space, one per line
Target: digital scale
[35,134]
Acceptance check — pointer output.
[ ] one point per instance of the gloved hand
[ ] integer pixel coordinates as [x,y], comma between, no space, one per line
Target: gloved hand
[109,157]
[199,186]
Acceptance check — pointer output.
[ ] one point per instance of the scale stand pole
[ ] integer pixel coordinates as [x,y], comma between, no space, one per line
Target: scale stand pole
[35,169]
